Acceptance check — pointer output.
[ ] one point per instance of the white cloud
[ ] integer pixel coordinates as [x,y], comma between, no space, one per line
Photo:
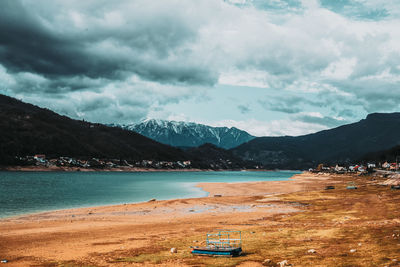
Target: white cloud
[6,80]
[273,128]
[340,69]
[249,78]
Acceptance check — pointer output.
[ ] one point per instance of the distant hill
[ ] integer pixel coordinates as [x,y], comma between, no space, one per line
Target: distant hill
[347,143]
[189,134]
[208,155]
[389,155]
[26,129]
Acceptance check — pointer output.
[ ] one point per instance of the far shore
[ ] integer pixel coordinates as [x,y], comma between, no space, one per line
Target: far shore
[117,169]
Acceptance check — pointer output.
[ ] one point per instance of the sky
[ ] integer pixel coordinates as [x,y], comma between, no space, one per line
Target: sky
[277,67]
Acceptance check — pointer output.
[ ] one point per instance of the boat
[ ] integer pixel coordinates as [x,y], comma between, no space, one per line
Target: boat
[225,243]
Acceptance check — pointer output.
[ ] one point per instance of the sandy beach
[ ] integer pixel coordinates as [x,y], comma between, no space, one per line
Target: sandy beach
[279,220]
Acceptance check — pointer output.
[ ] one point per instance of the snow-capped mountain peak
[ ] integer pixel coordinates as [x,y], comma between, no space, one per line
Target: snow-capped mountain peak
[189,134]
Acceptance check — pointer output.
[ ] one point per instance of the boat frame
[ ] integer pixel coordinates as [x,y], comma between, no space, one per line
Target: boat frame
[223,243]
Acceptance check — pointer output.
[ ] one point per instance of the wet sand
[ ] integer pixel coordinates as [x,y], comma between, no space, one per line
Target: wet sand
[301,182]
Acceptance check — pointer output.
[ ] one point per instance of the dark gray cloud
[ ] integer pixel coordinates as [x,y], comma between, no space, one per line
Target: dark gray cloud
[36,41]
[27,45]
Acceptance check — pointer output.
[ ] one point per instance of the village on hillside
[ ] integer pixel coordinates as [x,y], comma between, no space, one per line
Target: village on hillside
[95,163]
[40,160]
[357,168]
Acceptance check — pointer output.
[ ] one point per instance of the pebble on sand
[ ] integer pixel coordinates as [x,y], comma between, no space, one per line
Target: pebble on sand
[284,263]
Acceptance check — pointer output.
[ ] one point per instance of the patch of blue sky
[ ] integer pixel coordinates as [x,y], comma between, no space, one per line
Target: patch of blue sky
[357,9]
[225,102]
[276,6]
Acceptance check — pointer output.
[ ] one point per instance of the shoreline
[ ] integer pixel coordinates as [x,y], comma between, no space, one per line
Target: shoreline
[119,169]
[206,187]
[297,183]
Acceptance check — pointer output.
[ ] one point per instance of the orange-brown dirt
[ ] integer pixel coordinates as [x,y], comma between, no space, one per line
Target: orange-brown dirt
[279,221]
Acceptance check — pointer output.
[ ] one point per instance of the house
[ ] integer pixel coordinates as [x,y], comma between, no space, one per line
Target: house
[386,165]
[393,166]
[339,168]
[180,164]
[354,168]
[40,159]
[39,156]
[371,165]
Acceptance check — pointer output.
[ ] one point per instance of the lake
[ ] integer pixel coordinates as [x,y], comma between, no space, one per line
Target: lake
[29,192]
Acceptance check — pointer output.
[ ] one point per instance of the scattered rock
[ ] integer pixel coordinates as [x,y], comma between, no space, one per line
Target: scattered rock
[4,261]
[359,244]
[217,195]
[152,200]
[284,263]
[353,250]
[252,232]
[174,250]
[267,262]
[312,251]
[394,260]
[191,210]
[195,241]
[253,205]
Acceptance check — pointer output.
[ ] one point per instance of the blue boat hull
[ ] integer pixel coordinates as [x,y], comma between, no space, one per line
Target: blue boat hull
[228,252]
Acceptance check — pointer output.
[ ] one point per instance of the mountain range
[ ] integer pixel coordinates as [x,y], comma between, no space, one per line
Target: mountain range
[189,134]
[344,144]
[26,130]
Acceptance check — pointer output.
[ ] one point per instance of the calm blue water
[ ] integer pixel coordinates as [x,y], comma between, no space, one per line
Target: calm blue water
[28,192]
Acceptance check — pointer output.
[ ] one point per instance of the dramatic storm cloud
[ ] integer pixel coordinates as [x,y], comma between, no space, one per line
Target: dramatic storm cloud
[269,67]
